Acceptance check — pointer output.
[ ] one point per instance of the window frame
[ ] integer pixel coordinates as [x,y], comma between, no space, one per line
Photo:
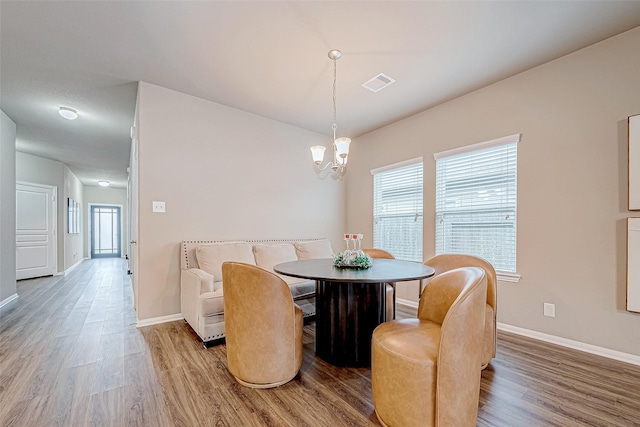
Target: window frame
[506,276]
[419,212]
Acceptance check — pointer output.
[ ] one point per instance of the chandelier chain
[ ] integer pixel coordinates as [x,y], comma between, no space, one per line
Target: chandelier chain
[334,92]
[340,145]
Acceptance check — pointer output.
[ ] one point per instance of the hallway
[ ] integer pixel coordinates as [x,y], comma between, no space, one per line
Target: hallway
[67,345]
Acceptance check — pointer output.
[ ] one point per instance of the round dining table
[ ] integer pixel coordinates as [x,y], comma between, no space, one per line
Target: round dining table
[350,303]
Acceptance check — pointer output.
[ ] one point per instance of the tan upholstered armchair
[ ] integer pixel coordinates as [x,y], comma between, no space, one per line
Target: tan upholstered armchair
[446,262]
[391,287]
[424,371]
[263,326]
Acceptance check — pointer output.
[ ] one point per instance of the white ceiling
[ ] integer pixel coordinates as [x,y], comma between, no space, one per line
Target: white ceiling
[269,58]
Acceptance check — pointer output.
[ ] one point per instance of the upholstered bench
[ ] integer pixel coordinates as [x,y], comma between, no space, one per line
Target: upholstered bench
[202,299]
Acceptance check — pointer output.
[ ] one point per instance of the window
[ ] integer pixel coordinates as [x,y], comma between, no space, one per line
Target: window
[397,209]
[476,195]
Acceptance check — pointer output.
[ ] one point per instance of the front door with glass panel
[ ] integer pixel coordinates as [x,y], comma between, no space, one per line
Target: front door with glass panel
[105,231]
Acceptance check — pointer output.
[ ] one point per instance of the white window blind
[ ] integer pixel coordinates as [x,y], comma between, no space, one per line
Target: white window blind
[397,209]
[476,195]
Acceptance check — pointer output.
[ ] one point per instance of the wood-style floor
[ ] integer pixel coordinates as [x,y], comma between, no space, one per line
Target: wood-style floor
[70,355]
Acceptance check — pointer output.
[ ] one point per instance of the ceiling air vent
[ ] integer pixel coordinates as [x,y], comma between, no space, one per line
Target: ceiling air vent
[378,83]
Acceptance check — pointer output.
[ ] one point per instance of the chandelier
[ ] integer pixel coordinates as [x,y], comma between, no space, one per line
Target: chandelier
[340,145]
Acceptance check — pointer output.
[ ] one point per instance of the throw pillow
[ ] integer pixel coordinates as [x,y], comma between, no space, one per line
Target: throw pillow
[269,255]
[314,249]
[210,257]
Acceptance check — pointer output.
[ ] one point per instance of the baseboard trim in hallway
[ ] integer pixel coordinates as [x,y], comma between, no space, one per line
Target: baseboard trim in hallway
[8,299]
[70,269]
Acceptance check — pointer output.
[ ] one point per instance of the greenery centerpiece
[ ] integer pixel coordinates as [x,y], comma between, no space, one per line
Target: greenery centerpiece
[352,258]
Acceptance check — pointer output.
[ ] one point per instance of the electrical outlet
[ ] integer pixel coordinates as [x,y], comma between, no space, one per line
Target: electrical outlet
[549,309]
[158,207]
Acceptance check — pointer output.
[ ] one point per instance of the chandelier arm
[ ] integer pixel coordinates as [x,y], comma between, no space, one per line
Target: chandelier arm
[330,164]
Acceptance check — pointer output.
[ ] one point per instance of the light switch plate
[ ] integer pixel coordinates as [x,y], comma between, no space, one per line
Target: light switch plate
[158,207]
[549,309]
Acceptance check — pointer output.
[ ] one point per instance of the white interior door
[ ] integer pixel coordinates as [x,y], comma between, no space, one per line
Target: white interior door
[35,230]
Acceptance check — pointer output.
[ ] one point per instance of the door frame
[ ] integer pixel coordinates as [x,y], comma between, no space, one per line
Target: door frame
[54,221]
[132,206]
[90,232]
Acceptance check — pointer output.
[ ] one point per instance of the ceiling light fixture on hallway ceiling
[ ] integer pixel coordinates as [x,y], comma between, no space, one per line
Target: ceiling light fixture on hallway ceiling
[104,183]
[68,113]
[340,145]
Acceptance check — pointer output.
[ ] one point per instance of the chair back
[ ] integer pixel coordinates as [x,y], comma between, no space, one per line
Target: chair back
[378,253]
[456,300]
[446,262]
[260,324]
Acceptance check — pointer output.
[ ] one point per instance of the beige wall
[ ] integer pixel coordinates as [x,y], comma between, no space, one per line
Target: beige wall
[93,195]
[572,191]
[223,174]
[73,243]
[38,170]
[7,207]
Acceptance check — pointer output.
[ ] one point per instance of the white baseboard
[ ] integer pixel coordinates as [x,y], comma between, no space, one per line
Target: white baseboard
[407,305]
[576,345]
[68,270]
[158,320]
[412,308]
[8,299]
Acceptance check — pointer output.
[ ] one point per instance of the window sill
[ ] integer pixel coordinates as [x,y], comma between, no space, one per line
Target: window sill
[508,277]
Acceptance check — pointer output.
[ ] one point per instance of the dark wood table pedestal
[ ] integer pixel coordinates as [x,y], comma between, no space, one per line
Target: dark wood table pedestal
[347,313]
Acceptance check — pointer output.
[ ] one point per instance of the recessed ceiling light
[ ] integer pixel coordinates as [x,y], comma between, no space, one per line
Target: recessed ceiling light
[378,83]
[68,113]
[104,183]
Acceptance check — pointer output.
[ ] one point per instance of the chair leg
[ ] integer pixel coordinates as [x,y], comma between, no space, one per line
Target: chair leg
[393,285]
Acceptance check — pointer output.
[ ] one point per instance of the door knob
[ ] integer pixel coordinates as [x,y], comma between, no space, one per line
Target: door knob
[133,242]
